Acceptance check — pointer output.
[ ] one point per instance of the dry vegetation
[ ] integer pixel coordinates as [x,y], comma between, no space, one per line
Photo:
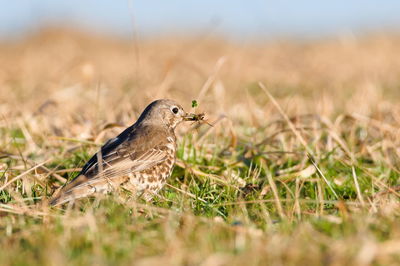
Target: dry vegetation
[244,190]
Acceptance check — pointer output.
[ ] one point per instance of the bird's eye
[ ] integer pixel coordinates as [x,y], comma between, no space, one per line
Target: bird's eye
[175,110]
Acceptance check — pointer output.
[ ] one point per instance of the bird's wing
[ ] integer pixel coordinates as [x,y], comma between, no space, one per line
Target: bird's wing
[121,165]
[132,151]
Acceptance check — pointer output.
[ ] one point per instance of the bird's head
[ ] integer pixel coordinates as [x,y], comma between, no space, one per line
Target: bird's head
[164,112]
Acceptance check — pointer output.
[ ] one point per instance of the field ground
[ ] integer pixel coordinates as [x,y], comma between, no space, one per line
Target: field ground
[304,170]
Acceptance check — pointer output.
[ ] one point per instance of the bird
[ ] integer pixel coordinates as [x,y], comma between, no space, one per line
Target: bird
[140,159]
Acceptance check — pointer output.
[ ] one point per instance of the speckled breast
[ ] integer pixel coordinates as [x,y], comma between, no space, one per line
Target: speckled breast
[150,181]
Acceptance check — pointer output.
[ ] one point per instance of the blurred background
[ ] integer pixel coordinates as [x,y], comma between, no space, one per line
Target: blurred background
[235,18]
[72,61]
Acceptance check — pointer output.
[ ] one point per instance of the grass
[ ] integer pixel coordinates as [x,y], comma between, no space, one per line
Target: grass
[301,170]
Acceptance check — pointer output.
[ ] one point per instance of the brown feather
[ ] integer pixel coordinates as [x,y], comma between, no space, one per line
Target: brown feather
[137,153]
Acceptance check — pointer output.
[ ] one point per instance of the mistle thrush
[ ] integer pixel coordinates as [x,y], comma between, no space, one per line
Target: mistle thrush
[139,159]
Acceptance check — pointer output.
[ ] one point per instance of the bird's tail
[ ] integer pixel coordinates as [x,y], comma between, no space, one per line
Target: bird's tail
[66,196]
[80,187]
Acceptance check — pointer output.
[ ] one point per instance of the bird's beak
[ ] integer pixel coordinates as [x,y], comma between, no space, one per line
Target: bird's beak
[189,117]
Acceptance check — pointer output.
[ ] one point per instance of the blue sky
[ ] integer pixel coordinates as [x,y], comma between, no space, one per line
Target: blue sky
[240,19]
